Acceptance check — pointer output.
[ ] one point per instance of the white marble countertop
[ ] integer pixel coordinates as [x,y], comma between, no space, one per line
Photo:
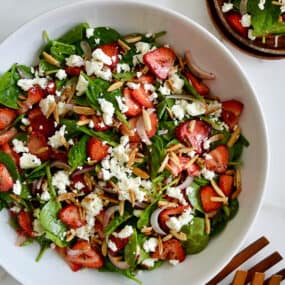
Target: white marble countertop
[266,77]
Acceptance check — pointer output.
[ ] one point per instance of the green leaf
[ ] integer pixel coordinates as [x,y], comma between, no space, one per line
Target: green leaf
[76,34]
[115,223]
[237,149]
[144,219]
[194,197]
[96,87]
[77,154]
[197,239]
[106,35]
[10,164]
[189,88]
[54,228]
[37,172]
[201,181]
[25,71]
[44,244]
[61,50]
[47,67]
[126,76]
[49,179]
[130,250]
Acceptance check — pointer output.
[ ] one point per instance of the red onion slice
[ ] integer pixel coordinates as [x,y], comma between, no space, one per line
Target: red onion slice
[108,214]
[82,171]
[196,70]
[154,221]
[186,183]
[243,7]
[141,131]
[119,264]
[60,164]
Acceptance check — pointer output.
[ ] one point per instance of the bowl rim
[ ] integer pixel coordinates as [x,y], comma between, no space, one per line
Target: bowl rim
[16,273]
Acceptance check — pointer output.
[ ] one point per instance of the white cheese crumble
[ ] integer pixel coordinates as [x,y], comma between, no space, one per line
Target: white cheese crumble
[149,262]
[25,121]
[79,185]
[81,85]
[83,232]
[246,20]
[98,54]
[189,190]
[227,7]
[17,188]
[150,244]
[74,61]
[98,68]
[122,106]
[112,245]
[208,174]
[89,33]
[142,48]
[122,67]
[46,103]
[177,83]
[133,85]
[61,74]
[126,232]
[97,41]
[176,223]
[108,111]
[60,180]
[27,84]
[63,108]
[56,140]
[261,4]
[196,108]
[176,193]
[28,160]
[250,35]
[178,111]
[164,90]
[92,204]
[45,196]
[19,146]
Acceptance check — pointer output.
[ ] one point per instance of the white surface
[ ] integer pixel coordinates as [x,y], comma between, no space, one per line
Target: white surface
[266,76]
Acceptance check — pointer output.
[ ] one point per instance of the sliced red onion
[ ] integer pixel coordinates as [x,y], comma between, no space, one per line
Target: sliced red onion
[196,70]
[119,264]
[60,164]
[82,171]
[20,240]
[154,221]
[39,183]
[86,49]
[186,183]
[75,252]
[108,214]
[243,7]
[141,205]
[141,131]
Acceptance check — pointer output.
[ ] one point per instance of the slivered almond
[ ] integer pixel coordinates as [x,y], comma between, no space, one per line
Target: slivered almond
[141,173]
[123,45]
[115,86]
[50,59]
[147,231]
[188,164]
[212,214]
[170,85]
[185,149]
[160,245]
[70,235]
[168,237]
[179,235]
[83,110]
[207,224]
[192,126]
[22,97]
[132,157]
[69,92]
[92,162]
[217,189]
[82,213]
[138,160]
[276,3]
[212,110]
[121,208]
[96,241]
[15,198]
[163,164]
[174,158]
[181,62]
[237,179]
[132,197]
[64,142]
[139,154]
[105,197]
[212,97]
[130,39]
[88,181]
[23,128]
[66,196]
[164,203]
[146,120]
[41,150]
[56,114]
[170,113]
[234,137]
[220,199]
[104,248]
[51,109]
[174,147]
[83,122]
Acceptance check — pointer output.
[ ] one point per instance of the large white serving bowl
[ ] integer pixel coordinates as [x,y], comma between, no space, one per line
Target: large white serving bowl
[231,82]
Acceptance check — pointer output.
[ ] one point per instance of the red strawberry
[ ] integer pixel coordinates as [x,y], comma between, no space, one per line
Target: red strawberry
[43,126]
[119,242]
[219,159]
[7,136]
[73,71]
[51,87]
[6,181]
[79,180]
[7,149]
[231,111]
[134,109]
[142,97]
[200,87]
[7,116]
[154,124]
[206,193]
[99,124]
[176,169]
[60,155]
[160,61]
[234,20]
[34,113]
[112,50]
[145,79]
[172,250]
[194,133]
[70,216]
[96,149]
[133,136]
[38,146]
[25,222]
[226,184]
[62,252]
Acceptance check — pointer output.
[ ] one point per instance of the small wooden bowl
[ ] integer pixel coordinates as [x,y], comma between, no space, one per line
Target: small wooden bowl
[256,47]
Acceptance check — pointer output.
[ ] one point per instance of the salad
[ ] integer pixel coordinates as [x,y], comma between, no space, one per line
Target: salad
[115,154]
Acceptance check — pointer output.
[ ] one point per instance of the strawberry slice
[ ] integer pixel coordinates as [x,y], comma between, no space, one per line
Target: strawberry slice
[73,71]
[172,250]
[154,124]
[119,242]
[7,136]
[131,132]
[33,113]
[219,159]
[7,149]
[6,181]
[200,87]
[193,133]
[37,145]
[7,116]
[62,252]
[142,97]
[71,217]
[226,184]
[134,109]
[176,169]
[60,155]
[96,149]
[88,257]
[160,61]
[24,220]
[234,20]
[206,193]
[231,111]
[112,50]
[145,79]
[51,87]
[43,126]
[99,124]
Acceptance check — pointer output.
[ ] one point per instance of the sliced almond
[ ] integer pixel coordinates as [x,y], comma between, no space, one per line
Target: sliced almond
[147,231]
[188,164]
[215,138]
[174,147]
[217,189]
[50,59]
[41,150]
[234,137]
[141,173]
[83,122]
[146,120]
[132,197]
[121,208]
[168,237]
[163,164]
[107,198]
[115,86]
[66,196]
[207,225]
[131,39]
[212,110]
[56,114]
[192,125]
[160,245]
[51,109]
[104,248]
[223,200]
[179,235]
[170,113]
[132,157]
[83,110]
[70,235]
[164,203]
[170,85]
[88,181]
[123,45]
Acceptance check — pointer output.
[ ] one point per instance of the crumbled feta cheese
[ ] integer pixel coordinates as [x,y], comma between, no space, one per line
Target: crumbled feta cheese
[206,144]
[83,232]
[208,156]
[227,7]
[91,124]
[97,41]
[81,85]
[178,111]
[164,90]
[122,67]
[15,209]
[139,74]
[60,180]
[27,84]
[93,204]
[189,190]
[149,262]
[133,85]
[192,153]
[217,106]
[150,244]
[148,87]
[46,103]
[61,74]
[89,33]
[98,54]
[19,146]
[126,232]
[250,35]
[71,142]
[122,106]
[74,61]
[208,174]
[28,160]
[176,223]
[98,68]
[112,245]
[106,174]
[174,262]
[79,185]
[124,140]
[45,196]
[17,188]
[142,48]
[25,121]
[261,4]
[246,20]
[108,111]
[177,83]
[176,193]
[56,140]
[196,108]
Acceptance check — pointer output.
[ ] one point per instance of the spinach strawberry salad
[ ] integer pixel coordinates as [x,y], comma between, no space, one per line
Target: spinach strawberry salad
[115,154]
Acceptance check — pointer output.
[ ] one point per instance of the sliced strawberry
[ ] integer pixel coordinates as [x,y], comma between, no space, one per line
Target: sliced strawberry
[142,97]
[25,222]
[193,170]
[231,111]
[79,180]
[206,193]
[154,124]
[7,149]
[70,216]
[226,184]
[51,87]
[88,256]
[7,116]
[60,155]
[176,168]
[219,159]
[99,229]
[112,50]
[43,126]
[133,136]
[38,146]
[234,20]
[96,149]
[200,87]
[7,136]
[193,133]
[146,79]
[73,71]
[33,113]
[172,250]
[134,109]
[99,124]
[62,252]
[160,61]
[119,242]
[6,181]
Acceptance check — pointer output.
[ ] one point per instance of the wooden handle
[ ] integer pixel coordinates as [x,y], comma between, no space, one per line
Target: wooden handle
[258,278]
[240,277]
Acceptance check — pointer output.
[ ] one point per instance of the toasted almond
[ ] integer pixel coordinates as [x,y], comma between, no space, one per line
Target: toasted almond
[223,200]
[146,120]
[96,241]
[108,198]
[83,122]
[168,237]
[131,39]
[207,224]
[165,203]
[83,110]
[123,45]
[138,160]
[163,164]
[30,129]
[185,149]
[23,128]
[69,92]
[170,113]
[215,138]
[276,3]
[212,97]
[160,245]
[50,59]
[217,189]
[132,157]
[147,231]
[115,86]
[66,196]
[174,147]
[181,62]
[22,97]
[82,213]
[170,85]
[141,173]
[234,137]
[15,198]
[236,194]
[121,208]
[192,126]
[188,164]
[88,181]
[132,197]
[56,114]
[212,214]
[64,142]
[237,179]
[70,235]
[104,248]
[139,154]
[51,109]
[174,158]
[212,110]
[41,150]
[92,162]
[179,235]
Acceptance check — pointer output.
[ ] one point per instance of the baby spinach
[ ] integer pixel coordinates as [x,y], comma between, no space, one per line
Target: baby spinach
[144,218]
[24,71]
[130,250]
[76,34]
[37,172]
[47,67]
[105,34]
[44,244]
[128,56]
[195,198]
[197,239]
[201,181]
[96,88]
[189,88]
[61,50]
[237,149]
[77,154]
[10,164]
[115,223]
[125,76]
[170,127]
[49,180]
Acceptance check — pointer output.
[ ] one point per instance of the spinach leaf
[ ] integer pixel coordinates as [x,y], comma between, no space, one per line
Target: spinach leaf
[143,220]
[24,71]
[170,127]
[37,172]
[116,222]
[44,244]
[9,91]
[76,34]
[128,56]
[10,164]
[77,154]
[237,149]
[61,50]
[54,228]
[96,87]
[49,179]
[125,76]
[130,250]
[195,198]
[105,34]
[197,239]
[47,67]
[201,181]
[162,105]
[189,88]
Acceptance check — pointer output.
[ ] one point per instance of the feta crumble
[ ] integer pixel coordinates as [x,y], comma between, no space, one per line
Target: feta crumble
[122,106]
[89,33]
[19,146]
[112,245]
[81,85]
[108,111]
[246,20]
[28,160]
[176,223]
[25,121]
[61,74]
[149,262]
[74,61]
[98,68]
[227,7]
[46,103]
[176,193]
[150,244]
[98,54]
[208,174]
[261,4]
[45,196]
[60,181]
[27,84]
[56,140]
[122,67]
[174,262]
[126,232]
[17,188]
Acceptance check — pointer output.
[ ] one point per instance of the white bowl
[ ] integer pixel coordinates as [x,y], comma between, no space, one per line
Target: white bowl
[231,82]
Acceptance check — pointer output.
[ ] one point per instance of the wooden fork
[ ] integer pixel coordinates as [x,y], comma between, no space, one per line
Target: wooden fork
[255,274]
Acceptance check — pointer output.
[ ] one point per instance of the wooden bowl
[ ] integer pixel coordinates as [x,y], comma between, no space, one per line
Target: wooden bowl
[269,50]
